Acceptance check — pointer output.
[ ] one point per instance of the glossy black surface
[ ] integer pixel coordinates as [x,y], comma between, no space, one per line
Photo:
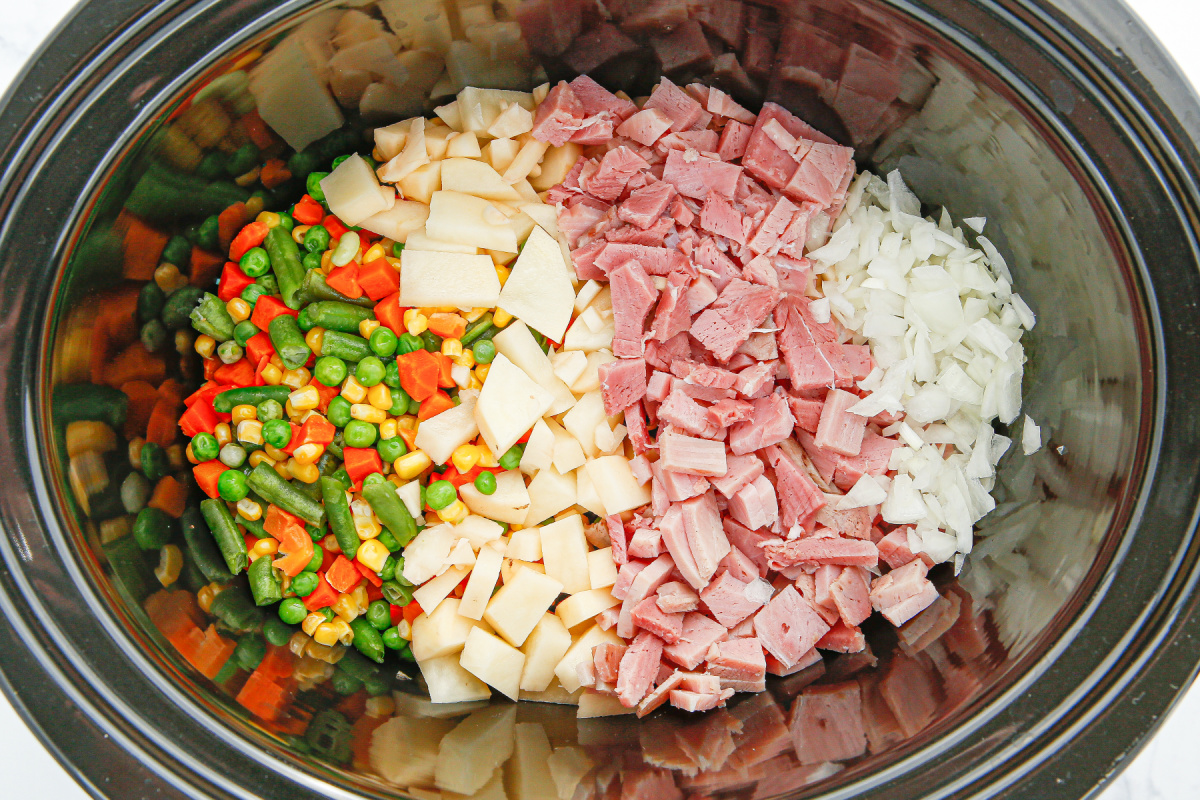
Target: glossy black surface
[1074,621]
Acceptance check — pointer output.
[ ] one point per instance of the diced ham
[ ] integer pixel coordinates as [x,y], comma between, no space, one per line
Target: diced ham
[840,430]
[640,466]
[757,380]
[727,411]
[658,386]
[645,543]
[674,536]
[655,699]
[575,221]
[714,264]
[770,424]
[850,593]
[642,586]
[679,486]
[646,126]
[818,551]
[754,505]
[704,141]
[635,423]
[672,316]
[734,138]
[622,383]
[645,206]
[739,663]
[655,260]
[704,375]
[719,216]
[694,175]
[584,260]
[748,542]
[706,537]
[558,116]
[872,458]
[616,537]
[681,213]
[627,572]
[684,413]
[788,627]
[739,565]
[675,596]
[615,170]
[740,471]
[776,667]
[639,667]
[806,411]
[606,659]
[852,523]
[903,593]
[773,226]
[661,355]
[820,174]
[799,497]
[826,723]
[727,324]
[677,104]
[633,295]
[694,701]
[843,638]
[760,270]
[597,100]
[649,617]
[894,551]
[607,619]
[725,598]
[699,634]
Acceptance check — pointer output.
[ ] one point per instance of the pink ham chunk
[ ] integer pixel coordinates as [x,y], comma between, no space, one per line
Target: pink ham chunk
[700,294]
[645,206]
[739,663]
[773,226]
[793,275]
[738,564]
[788,627]
[649,617]
[806,411]
[684,413]
[642,586]
[714,264]
[820,551]
[894,551]
[675,597]
[655,699]
[770,424]
[645,543]
[681,453]
[629,570]
[699,634]
[821,173]
[799,497]
[740,471]
[674,536]
[727,412]
[851,595]
[725,598]
[695,701]
[576,220]
[622,383]
[903,593]
[639,668]
[672,317]
[704,141]
[677,104]
[726,324]
[754,505]
[558,116]
[635,422]
[598,101]
[606,660]
[584,260]
[843,638]
[812,657]
[827,723]
[706,537]
[616,537]
[694,175]
[655,260]
[851,523]
[723,105]
[646,126]
[719,216]
[839,430]
[615,170]
[633,295]
[734,138]
[679,486]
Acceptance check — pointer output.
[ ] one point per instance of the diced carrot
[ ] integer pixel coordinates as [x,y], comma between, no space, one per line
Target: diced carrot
[164,420]
[259,345]
[368,573]
[117,313]
[134,363]
[316,430]
[448,326]
[211,365]
[308,211]
[324,595]
[143,246]
[239,373]
[199,418]
[277,522]
[390,314]
[295,542]
[257,130]
[445,365]
[207,474]
[172,611]
[329,555]
[461,478]
[343,575]
[263,697]
[361,462]
[379,279]
[334,226]
[326,393]
[274,172]
[277,663]
[142,397]
[419,371]
[250,236]
[229,222]
[206,392]
[233,281]
[412,611]
[433,405]
[373,592]
[345,280]
[170,497]
[212,653]
[206,267]
[172,390]
[397,613]
[409,436]
[267,308]
[294,442]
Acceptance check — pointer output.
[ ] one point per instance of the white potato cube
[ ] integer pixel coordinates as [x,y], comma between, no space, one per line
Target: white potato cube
[466,219]
[352,191]
[413,155]
[585,492]
[389,140]
[569,365]
[544,648]
[410,495]
[549,493]
[568,766]
[425,554]
[442,632]
[437,140]
[447,279]
[470,754]
[580,651]
[589,381]
[421,183]
[555,165]
[539,448]
[602,570]
[593,704]
[500,153]
[420,241]
[584,606]
[479,530]
[509,404]
[516,608]
[617,488]
[539,290]
[582,419]
[464,145]
[554,695]
[568,454]
[450,683]
[525,545]
[511,122]
[493,661]
[581,337]
[509,503]
[517,344]
[479,108]
[398,222]
[462,555]
[474,177]
[482,582]
[564,552]
[441,435]
[512,566]
[528,156]
[434,591]
[449,114]
[529,770]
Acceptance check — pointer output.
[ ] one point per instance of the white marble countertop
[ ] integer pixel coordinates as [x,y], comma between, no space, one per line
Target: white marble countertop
[1163,771]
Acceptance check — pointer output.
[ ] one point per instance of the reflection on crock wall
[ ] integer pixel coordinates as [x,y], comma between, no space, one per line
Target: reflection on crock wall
[244,144]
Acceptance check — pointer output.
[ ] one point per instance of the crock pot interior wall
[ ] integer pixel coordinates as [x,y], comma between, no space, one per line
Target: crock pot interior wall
[1013,153]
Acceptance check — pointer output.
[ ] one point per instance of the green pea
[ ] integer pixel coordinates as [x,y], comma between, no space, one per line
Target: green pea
[388,571]
[154,461]
[229,352]
[431,342]
[269,410]
[379,614]
[343,683]
[302,163]
[388,540]
[391,449]
[337,162]
[414,406]
[370,371]
[276,632]
[304,320]
[232,485]
[152,529]
[391,375]
[316,239]
[292,610]
[255,262]
[250,652]
[233,455]
[397,249]
[178,252]
[440,494]
[286,222]
[150,302]
[327,613]
[330,370]
[212,166]
[244,331]
[484,351]
[313,185]
[311,261]
[382,342]
[208,235]
[318,558]
[243,160]
[153,336]
[485,482]
[408,343]
[360,434]
[339,411]
[512,457]
[303,585]
[392,639]
[269,283]
[373,479]
[252,292]
[400,401]
[277,433]
[205,447]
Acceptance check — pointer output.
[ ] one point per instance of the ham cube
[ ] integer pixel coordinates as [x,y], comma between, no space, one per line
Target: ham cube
[740,664]
[903,593]
[645,543]
[694,701]
[679,486]
[739,565]
[843,638]
[645,206]
[734,138]
[773,226]
[606,659]
[646,126]
[649,617]
[655,260]
[699,634]
[598,101]
[821,551]
[788,627]
[820,174]
[770,424]
[675,597]
[694,175]
[719,216]
[799,497]
[705,535]
[615,170]
[642,586]
[677,104]
[638,669]
[839,430]
[851,595]
[558,116]
[806,411]
[684,413]
[740,471]
[622,383]
[725,598]
[680,453]
[754,505]
[633,295]
[726,325]
[673,316]
[894,551]
[851,523]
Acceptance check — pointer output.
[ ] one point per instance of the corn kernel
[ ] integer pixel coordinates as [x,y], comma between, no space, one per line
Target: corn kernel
[359,593]
[308,453]
[239,309]
[486,457]
[254,204]
[380,707]
[367,527]
[502,273]
[388,429]
[367,327]
[276,360]
[407,423]
[452,348]
[175,456]
[373,554]
[281,469]
[327,261]
[85,435]
[501,318]
[467,359]
[190,457]
[353,391]
[305,399]
[345,607]
[170,562]
[374,252]
[183,342]
[330,544]
[249,509]
[395,262]
[419,324]
[243,412]
[315,339]
[404,628]
[307,473]
[367,413]
[481,371]
[310,623]
[272,375]
[299,641]
[380,396]
[206,595]
[274,453]
[345,634]
[454,513]
[474,314]
[464,457]
[250,431]
[223,432]
[259,457]
[298,233]
[474,382]
[205,345]
[296,378]
[268,218]
[412,464]
[264,547]
[324,653]
[168,278]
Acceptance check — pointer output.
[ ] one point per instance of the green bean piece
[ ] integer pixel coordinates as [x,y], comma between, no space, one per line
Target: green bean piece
[391,510]
[276,631]
[388,571]
[150,302]
[210,317]
[273,488]
[289,341]
[367,640]
[345,346]
[242,160]
[225,533]
[476,329]
[314,288]
[153,336]
[152,529]
[396,593]
[333,315]
[250,651]
[178,252]
[227,672]
[341,521]
[235,607]
[178,307]
[85,401]
[202,547]
[285,261]
[265,587]
[249,395]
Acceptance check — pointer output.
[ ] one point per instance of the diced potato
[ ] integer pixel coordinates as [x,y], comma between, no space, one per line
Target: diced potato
[517,344]
[512,566]
[447,279]
[473,177]
[511,122]
[522,225]
[449,114]
[510,403]
[389,141]
[509,503]
[500,153]
[404,749]
[580,337]
[554,695]
[434,591]
[568,454]
[569,365]
[425,554]
[531,196]
[493,661]
[482,582]
[479,108]
[557,162]
[608,439]
[580,651]
[568,766]
[410,494]
[450,683]
[589,381]
[539,290]
[421,183]
[443,632]
[549,493]
[544,215]
[544,648]
[585,492]
[420,241]
[582,419]
[461,555]
[479,530]
[413,155]
[527,158]
[352,191]
[529,769]
[539,448]
[525,545]
[470,754]
[564,552]
[464,145]
[618,489]
[583,607]
[593,704]
[440,435]
[470,220]
[602,570]
[587,293]
[519,605]
[437,140]
[398,222]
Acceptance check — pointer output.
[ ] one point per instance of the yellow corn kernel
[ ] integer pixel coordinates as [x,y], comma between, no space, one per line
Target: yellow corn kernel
[388,429]
[501,318]
[454,513]
[353,391]
[206,595]
[345,634]
[250,431]
[268,218]
[327,261]
[315,339]
[285,582]
[406,423]
[296,378]
[305,398]
[374,252]
[467,359]
[259,457]
[135,451]
[452,348]
[372,554]
[308,453]
[86,436]
[367,413]
[277,361]
[224,433]
[367,527]
[239,309]
[380,396]
[324,653]
[243,412]
[395,262]
[325,634]
[418,325]
[359,593]
[404,628]
[380,707]
[310,623]
[264,547]
[175,456]
[464,457]
[474,382]
[205,345]
[183,342]
[413,464]
[170,562]
[254,205]
[272,375]
[502,273]
[168,278]
[345,607]
[474,314]
[307,473]
[311,672]
[248,509]
[298,233]
[367,327]
[486,458]
[274,453]
[481,371]
[298,644]
[281,470]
